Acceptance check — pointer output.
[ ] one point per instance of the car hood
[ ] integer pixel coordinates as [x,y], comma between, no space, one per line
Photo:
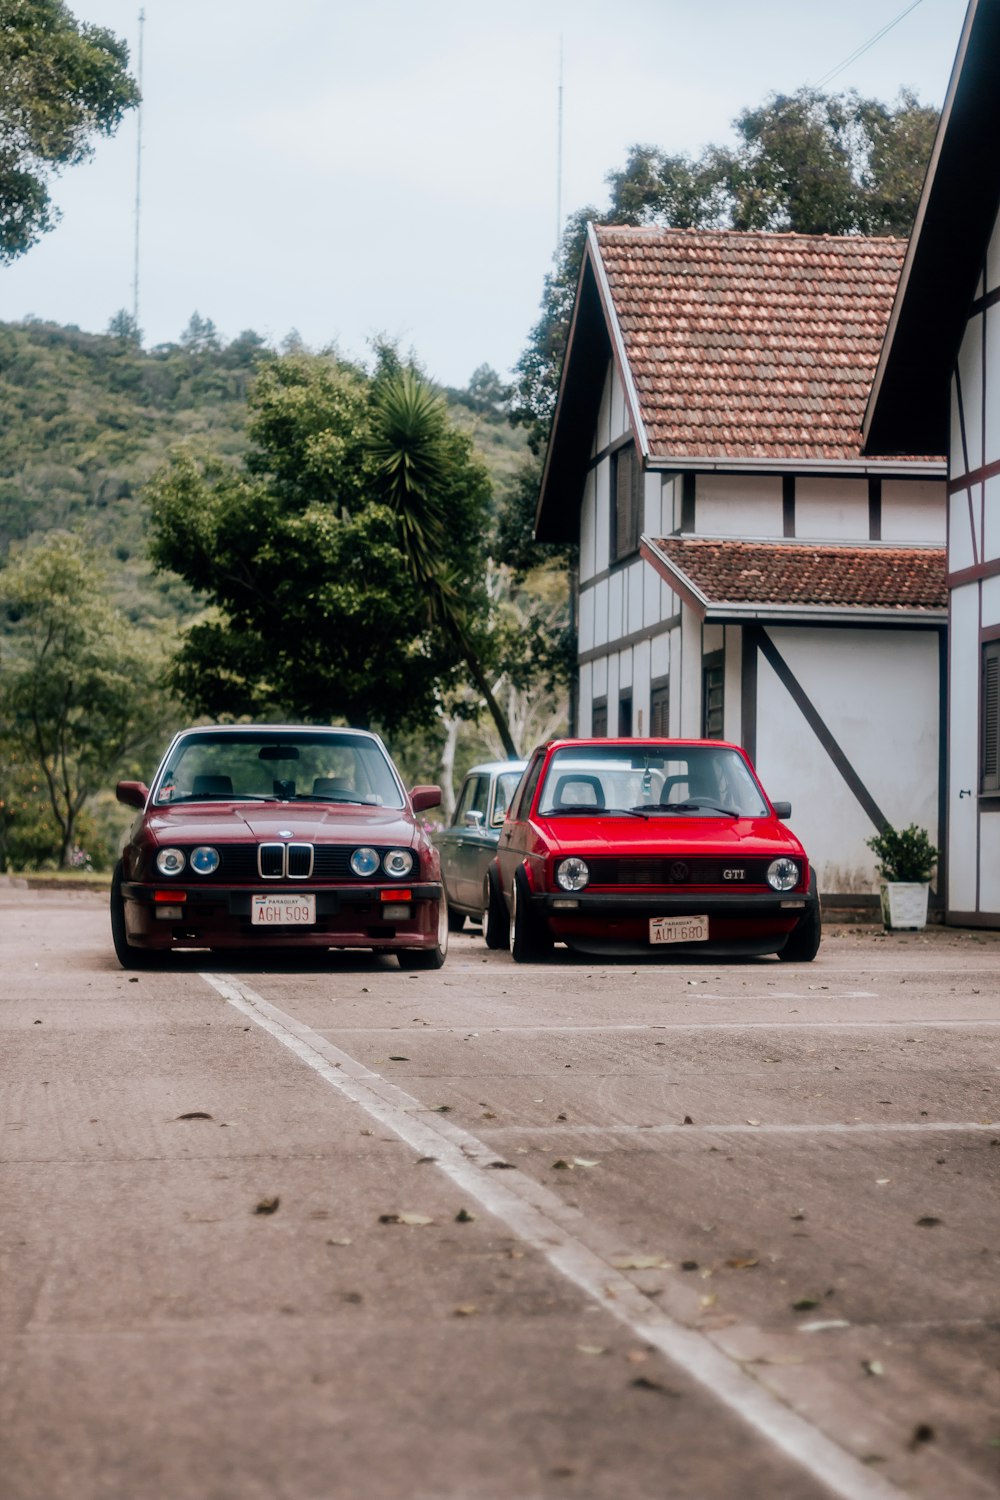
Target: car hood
[742,838]
[307,823]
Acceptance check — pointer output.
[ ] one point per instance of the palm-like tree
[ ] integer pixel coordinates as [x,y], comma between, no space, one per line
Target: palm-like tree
[417,458]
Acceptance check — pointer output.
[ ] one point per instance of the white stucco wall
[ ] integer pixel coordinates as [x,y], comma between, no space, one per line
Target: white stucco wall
[963,748]
[738,505]
[914,510]
[831,509]
[877,693]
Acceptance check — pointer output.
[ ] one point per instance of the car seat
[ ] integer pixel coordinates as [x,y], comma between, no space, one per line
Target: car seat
[579,790]
[212,786]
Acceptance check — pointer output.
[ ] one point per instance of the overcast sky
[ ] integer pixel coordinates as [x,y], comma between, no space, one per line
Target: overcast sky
[353,167]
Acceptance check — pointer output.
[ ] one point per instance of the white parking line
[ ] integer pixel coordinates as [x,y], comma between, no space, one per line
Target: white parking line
[541,1220]
[832,1127]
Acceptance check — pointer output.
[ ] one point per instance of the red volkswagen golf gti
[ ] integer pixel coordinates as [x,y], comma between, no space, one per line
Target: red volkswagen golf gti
[644,846]
[266,836]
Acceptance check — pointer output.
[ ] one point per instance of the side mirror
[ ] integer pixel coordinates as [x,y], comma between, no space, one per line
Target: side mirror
[782,809]
[132,793]
[425,796]
[474,818]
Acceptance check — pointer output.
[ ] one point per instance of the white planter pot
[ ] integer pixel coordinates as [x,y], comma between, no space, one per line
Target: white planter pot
[904,904]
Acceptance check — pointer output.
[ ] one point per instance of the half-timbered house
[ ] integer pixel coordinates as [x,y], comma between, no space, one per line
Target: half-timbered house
[938,385]
[746,571]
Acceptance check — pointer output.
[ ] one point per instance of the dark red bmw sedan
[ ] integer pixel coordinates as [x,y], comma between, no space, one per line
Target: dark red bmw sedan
[278,836]
[643,846]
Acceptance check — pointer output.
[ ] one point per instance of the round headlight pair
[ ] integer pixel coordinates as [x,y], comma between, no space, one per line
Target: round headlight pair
[203,860]
[783,874]
[397,862]
[572,874]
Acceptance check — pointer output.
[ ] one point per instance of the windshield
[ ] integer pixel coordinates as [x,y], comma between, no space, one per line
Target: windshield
[654,780]
[301,765]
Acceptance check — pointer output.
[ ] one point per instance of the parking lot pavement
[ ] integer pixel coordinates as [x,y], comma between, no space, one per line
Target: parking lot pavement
[731,1224]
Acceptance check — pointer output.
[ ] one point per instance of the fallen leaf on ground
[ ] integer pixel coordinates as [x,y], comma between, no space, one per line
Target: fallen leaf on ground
[929,1221]
[687,1120]
[465,1310]
[873,1367]
[413,1219]
[195,1114]
[641,1263]
[753,1122]
[591,1348]
[501,1166]
[637,1356]
[804,1304]
[822,1326]
[338,1242]
[922,1433]
[581,1161]
[464,1217]
[708,1301]
[643,1383]
[742,1262]
[561,1166]
[267,1206]
[398,1057]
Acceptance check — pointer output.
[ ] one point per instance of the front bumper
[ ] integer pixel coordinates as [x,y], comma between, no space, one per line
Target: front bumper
[739,922]
[218,916]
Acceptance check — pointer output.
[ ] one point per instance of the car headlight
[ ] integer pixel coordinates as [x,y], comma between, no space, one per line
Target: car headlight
[170,861]
[783,874]
[204,861]
[398,862]
[364,861]
[572,874]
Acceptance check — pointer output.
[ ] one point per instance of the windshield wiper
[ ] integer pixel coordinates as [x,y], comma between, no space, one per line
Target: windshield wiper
[703,804]
[218,797]
[587,809]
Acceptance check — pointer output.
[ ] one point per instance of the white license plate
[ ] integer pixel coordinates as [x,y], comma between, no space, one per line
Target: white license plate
[291,909]
[678,929]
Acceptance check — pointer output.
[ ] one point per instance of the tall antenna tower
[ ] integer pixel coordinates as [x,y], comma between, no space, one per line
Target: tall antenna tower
[559,150]
[138,178]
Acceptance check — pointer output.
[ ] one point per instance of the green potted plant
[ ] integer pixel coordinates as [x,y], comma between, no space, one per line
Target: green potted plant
[906,863]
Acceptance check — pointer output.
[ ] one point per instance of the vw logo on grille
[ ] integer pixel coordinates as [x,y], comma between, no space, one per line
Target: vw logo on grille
[679,872]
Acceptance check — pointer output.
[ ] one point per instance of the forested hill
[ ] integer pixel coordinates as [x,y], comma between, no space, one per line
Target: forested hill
[86,419]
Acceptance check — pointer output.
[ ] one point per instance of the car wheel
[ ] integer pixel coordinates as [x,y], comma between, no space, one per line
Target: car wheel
[803,941]
[128,957]
[428,958]
[456,920]
[528,939]
[495,919]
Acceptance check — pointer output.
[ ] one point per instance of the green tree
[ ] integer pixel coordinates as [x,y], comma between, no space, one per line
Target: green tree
[124,327]
[809,163]
[342,564]
[61,83]
[79,690]
[437,492]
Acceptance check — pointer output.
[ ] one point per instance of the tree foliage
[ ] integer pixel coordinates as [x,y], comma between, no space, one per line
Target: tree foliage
[79,689]
[61,83]
[344,562]
[807,163]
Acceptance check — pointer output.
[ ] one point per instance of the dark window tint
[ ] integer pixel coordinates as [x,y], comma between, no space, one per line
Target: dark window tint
[625,715]
[599,719]
[528,789]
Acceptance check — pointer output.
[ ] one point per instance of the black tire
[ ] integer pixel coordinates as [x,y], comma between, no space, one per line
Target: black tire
[456,920]
[495,919]
[804,940]
[428,958]
[529,941]
[128,957]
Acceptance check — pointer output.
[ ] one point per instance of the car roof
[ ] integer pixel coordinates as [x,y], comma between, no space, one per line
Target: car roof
[491,767]
[637,741]
[276,729]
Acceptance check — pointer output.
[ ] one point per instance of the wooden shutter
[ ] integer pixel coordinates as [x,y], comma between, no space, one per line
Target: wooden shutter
[713,696]
[989,780]
[659,711]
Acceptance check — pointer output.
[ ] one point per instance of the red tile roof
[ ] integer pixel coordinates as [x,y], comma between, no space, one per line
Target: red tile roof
[827,575]
[751,345]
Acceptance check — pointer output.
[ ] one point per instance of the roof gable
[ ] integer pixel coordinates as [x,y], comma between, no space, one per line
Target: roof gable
[750,345]
[909,403]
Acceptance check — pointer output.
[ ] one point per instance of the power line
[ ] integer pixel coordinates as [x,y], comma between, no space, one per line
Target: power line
[860,51]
